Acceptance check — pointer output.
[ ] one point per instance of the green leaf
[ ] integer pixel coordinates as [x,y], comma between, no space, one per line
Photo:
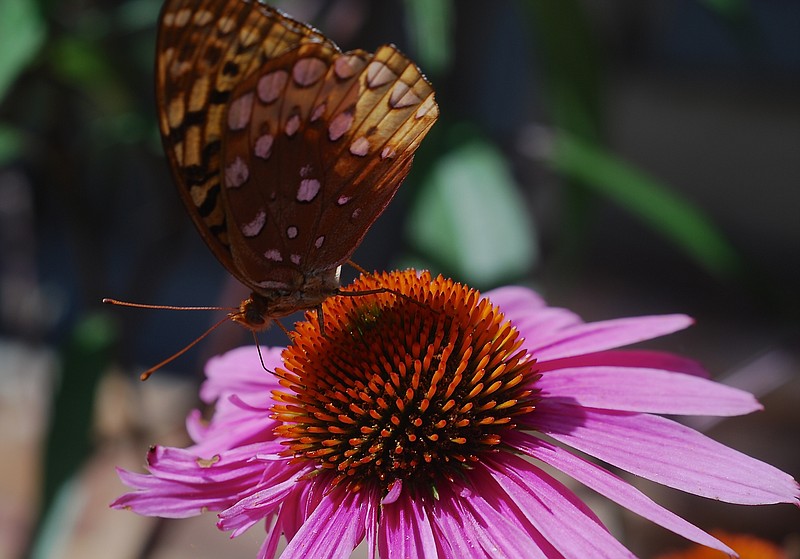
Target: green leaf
[470,217]
[22,33]
[666,212]
[431,30]
[10,144]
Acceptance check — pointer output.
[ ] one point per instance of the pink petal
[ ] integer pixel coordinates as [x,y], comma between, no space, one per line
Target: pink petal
[630,358]
[563,519]
[333,530]
[529,312]
[181,484]
[666,452]
[249,510]
[240,371]
[301,503]
[644,390]
[489,518]
[612,487]
[270,545]
[599,336]
[455,535]
[405,530]
[515,299]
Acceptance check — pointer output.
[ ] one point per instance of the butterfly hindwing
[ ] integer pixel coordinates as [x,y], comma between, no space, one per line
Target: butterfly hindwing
[318,143]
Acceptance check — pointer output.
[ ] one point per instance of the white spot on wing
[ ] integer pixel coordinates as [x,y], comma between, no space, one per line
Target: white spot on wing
[226,24]
[317,113]
[291,232]
[292,125]
[379,74]
[202,18]
[402,96]
[237,173]
[308,190]
[319,241]
[340,125]
[360,146]
[308,71]
[388,152]
[271,85]
[425,108]
[274,255]
[240,111]
[254,227]
[182,17]
[347,66]
[343,200]
[263,147]
[295,258]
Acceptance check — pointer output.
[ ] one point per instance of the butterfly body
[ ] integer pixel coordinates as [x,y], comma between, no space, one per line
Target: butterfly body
[285,150]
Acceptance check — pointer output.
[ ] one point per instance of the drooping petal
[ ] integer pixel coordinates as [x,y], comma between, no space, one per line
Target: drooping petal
[629,358]
[235,424]
[563,519]
[181,484]
[612,487]
[270,544]
[405,530]
[666,452]
[598,336]
[333,530]
[300,504]
[265,499]
[644,390]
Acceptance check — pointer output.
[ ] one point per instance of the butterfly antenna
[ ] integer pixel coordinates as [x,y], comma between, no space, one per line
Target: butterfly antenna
[357,267]
[145,375]
[119,303]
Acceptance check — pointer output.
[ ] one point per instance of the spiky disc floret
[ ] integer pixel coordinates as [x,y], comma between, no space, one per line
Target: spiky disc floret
[411,384]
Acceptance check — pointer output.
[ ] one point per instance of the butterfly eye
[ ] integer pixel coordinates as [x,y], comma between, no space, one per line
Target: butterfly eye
[284,149]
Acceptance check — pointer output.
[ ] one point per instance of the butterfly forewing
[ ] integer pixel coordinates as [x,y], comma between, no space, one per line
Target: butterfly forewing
[204,49]
[284,149]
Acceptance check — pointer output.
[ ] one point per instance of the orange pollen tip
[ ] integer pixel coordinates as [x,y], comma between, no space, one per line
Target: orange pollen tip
[412,381]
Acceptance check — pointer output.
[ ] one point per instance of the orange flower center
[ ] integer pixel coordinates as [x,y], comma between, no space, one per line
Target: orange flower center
[413,383]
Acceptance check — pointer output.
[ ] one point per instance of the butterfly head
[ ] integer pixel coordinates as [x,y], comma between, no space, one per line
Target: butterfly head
[257,312]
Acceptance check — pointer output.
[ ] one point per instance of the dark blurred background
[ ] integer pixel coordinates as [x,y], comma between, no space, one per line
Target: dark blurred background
[621,157]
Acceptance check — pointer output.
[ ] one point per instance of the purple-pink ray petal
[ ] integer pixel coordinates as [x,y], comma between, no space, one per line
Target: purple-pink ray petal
[270,544]
[644,390]
[599,336]
[491,519]
[562,518]
[666,452]
[629,358]
[515,299]
[405,530]
[612,487]
[454,535]
[249,510]
[333,530]
[239,371]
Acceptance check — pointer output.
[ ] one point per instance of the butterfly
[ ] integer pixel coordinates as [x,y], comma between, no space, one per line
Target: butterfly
[284,149]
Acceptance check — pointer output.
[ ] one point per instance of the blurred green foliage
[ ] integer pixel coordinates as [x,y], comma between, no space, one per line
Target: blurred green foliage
[470,218]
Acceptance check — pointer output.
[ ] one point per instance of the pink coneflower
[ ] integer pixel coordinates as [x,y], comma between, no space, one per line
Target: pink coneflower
[412,420]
